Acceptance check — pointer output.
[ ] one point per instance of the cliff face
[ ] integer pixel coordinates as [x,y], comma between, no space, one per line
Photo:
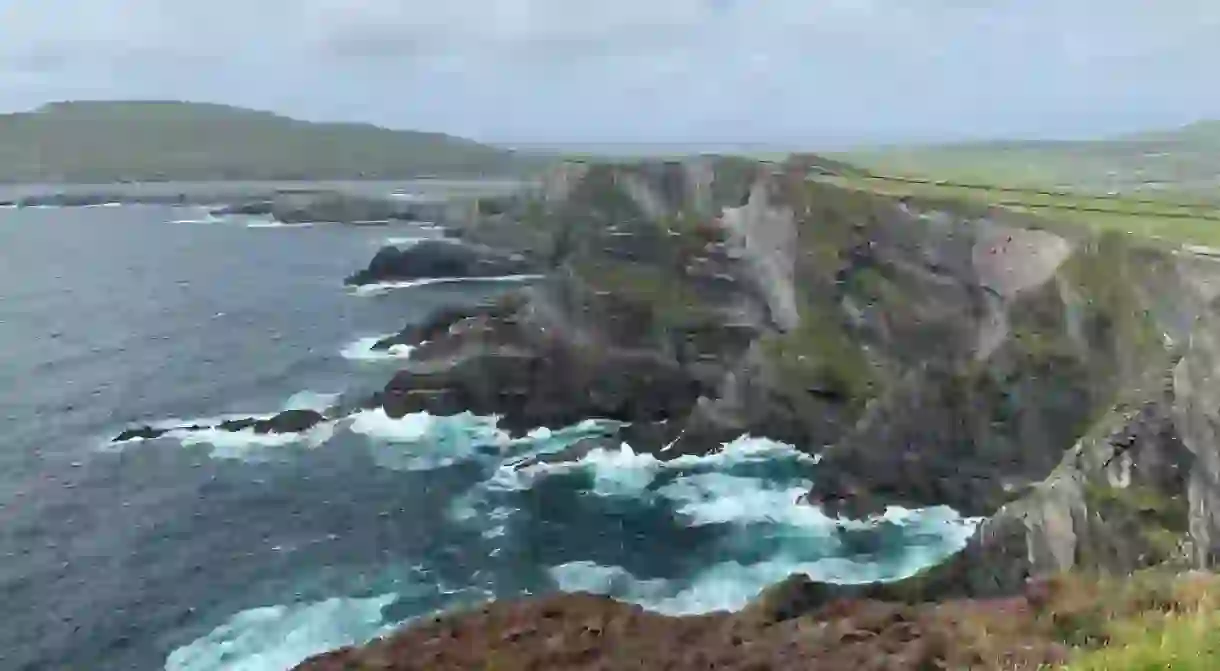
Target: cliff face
[931,352]
[1063,385]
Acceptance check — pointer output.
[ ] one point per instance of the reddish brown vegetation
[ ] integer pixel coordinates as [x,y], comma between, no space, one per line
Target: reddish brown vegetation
[587,633]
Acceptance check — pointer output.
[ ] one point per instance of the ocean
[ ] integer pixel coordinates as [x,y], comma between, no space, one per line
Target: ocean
[232,551]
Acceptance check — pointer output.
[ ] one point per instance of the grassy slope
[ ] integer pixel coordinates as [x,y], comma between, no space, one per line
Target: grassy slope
[139,141]
[1185,158]
[1163,185]
[1172,219]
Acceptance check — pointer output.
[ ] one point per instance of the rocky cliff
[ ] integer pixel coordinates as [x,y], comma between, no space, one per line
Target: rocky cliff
[932,353]
[1061,384]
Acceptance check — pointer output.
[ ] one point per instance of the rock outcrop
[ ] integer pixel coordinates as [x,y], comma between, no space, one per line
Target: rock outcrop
[1061,384]
[441,259]
[287,421]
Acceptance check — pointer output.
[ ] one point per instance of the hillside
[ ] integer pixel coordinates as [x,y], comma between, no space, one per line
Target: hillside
[1183,159]
[153,141]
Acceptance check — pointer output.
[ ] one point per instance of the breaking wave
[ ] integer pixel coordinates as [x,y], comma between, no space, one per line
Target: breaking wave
[748,498]
[275,638]
[362,350]
[244,445]
[385,287]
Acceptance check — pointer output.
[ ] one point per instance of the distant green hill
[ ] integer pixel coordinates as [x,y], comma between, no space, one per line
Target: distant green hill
[153,140]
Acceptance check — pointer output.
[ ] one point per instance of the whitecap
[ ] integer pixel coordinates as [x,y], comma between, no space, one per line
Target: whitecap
[421,441]
[273,223]
[624,472]
[930,536]
[619,472]
[247,445]
[752,492]
[275,638]
[721,498]
[362,350]
[385,287]
[403,242]
[204,220]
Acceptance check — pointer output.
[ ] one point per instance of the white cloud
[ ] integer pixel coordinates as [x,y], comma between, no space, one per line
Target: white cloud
[638,69]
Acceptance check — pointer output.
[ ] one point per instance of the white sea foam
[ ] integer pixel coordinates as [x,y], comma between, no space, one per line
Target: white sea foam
[279,224]
[755,511]
[420,441]
[624,472]
[276,638]
[385,287]
[403,242]
[930,536]
[207,219]
[362,350]
[244,445]
[247,445]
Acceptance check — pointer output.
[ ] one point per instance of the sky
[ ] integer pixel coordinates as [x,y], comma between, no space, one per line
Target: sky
[814,73]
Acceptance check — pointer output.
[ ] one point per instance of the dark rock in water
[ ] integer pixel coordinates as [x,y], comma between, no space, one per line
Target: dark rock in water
[434,325]
[288,421]
[237,424]
[256,208]
[8,203]
[552,389]
[148,432]
[440,258]
[145,432]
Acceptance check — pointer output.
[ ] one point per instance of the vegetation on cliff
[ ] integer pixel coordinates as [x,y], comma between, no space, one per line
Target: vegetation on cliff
[931,350]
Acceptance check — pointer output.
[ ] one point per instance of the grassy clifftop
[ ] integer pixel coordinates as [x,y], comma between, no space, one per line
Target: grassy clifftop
[149,141]
[1181,159]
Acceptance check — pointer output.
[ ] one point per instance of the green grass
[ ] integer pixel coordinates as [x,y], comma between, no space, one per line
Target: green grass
[1178,641]
[1183,159]
[1157,218]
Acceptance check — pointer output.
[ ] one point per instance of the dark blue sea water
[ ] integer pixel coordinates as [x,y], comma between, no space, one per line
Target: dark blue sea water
[235,552]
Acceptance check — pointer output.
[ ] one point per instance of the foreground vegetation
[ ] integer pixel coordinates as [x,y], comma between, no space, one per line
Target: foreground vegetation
[1148,621]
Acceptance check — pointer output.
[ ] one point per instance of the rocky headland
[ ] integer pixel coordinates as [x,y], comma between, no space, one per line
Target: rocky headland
[1060,384]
